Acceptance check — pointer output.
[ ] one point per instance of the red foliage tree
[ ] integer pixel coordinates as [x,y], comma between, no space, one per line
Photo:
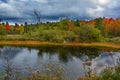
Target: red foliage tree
[70,25]
[7,26]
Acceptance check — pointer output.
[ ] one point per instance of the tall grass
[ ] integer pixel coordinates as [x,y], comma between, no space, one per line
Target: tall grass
[108,73]
[50,71]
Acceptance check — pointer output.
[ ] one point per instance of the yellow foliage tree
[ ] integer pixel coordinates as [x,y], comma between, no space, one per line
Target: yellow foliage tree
[21,29]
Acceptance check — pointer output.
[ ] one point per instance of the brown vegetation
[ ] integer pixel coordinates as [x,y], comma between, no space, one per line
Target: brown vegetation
[40,43]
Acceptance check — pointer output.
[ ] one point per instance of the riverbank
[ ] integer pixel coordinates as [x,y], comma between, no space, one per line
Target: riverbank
[39,43]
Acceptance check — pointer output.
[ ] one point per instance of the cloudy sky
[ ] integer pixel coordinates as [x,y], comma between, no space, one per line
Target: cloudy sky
[51,10]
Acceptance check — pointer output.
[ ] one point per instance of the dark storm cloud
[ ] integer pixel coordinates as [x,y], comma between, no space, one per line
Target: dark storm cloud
[52,10]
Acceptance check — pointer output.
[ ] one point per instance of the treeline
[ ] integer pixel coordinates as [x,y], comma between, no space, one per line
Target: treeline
[66,30]
[5,28]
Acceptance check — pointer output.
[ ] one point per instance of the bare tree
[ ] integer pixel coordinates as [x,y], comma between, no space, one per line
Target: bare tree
[38,15]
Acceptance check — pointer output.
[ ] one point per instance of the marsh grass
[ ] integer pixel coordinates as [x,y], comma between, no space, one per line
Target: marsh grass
[36,43]
[111,73]
[108,73]
[51,71]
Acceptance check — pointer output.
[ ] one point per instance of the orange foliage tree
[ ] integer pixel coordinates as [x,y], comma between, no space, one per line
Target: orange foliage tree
[70,25]
[109,27]
[7,26]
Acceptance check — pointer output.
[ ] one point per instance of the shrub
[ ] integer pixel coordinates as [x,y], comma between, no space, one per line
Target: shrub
[89,34]
[109,74]
[2,31]
[70,36]
[57,35]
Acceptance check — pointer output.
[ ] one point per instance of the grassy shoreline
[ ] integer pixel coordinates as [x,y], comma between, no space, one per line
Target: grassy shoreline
[40,43]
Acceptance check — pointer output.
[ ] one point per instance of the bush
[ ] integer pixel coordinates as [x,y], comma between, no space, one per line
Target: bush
[89,34]
[109,74]
[57,35]
[2,31]
[70,36]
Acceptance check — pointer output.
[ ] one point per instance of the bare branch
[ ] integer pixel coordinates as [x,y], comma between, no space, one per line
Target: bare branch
[38,15]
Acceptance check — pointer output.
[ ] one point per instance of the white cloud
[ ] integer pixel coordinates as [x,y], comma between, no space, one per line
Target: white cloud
[102,8]
[6,6]
[70,8]
[8,10]
[104,2]
[95,12]
[100,2]
[40,1]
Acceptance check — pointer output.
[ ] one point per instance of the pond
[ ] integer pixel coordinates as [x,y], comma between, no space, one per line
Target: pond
[71,59]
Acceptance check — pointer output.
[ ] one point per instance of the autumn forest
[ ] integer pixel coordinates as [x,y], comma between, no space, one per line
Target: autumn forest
[65,30]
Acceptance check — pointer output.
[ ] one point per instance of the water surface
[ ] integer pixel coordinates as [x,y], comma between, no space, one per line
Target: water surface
[70,58]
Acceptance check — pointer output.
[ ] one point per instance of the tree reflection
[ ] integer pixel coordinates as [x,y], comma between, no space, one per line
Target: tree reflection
[64,53]
[67,53]
[10,52]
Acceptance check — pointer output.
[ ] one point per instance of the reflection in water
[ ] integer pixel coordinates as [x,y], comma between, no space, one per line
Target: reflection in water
[66,53]
[71,58]
[10,52]
[104,60]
